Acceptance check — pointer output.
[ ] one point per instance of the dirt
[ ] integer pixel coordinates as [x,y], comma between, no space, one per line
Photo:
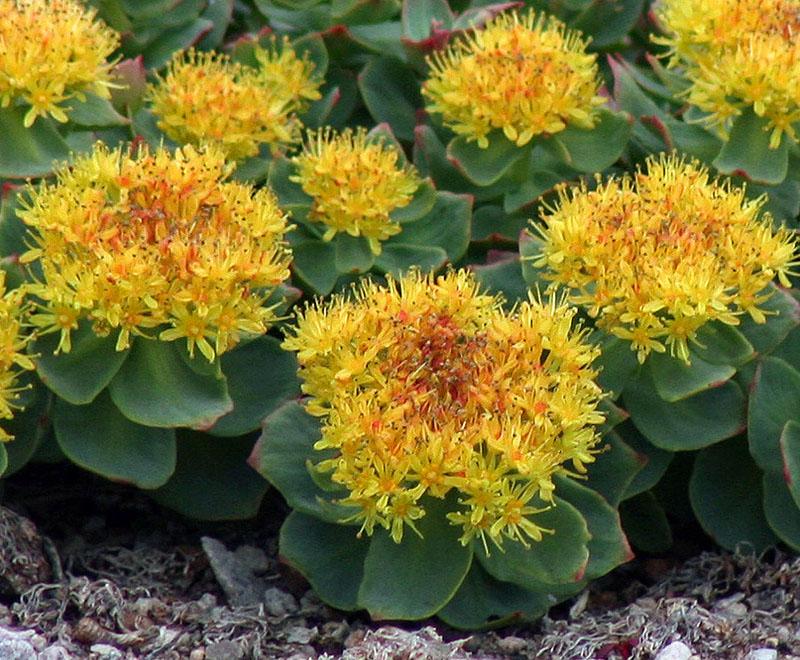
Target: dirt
[90,569]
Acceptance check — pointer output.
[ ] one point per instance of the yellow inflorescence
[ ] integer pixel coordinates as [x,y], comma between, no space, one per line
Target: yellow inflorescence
[656,255]
[205,97]
[52,51]
[12,343]
[138,242]
[356,183]
[738,54]
[428,386]
[525,74]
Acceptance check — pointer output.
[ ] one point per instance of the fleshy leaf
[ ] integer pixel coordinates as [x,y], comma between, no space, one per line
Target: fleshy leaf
[157,387]
[80,375]
[212,480]
[328,555]
[692,423]
[99,438]
[781,510]
[417,577]
[29,152]
[747,152]
[790,449]
[560,557]
[675,380]
[260,377]
[485,166]
[726,494]
[774,400]
[483,601]
[282,454]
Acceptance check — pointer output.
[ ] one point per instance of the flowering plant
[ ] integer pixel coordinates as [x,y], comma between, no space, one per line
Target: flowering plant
[472,412]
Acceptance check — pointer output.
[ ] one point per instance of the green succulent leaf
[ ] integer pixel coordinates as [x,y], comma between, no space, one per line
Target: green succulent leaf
[260,376]
[774,400]
[657,460]
[691,423]
[485,166]
[492,223]
[352,254]
[391,93]
[595,149]
[608,547]
[722,344]
[783,316]
[417,577]
[482,601]
[419,206]
[781,510]
[99,438]
[747,152]
[607,23]
[29,152]
[614,468]
[315,264]
[156,386]
[3,459]
[212,480]
[559,558]
[420,16]
[282,454]
[726,494]
[645,522]
[330,556]
[790,449]
[617,363]
[446,226]
[503,276]
[536,184]
[80,375]
[94,112]
[397,258]
[674,380]
[160,50]
[28,426]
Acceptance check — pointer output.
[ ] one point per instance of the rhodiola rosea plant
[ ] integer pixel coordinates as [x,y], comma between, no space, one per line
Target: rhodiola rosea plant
[547,253]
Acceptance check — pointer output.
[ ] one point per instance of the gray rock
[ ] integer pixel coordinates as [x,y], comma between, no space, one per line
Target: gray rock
[55,652]
[301,635]
[674,651]
[512,644]
[225,650]
[234,573]
[279,603]
[107,652]
[16,649]
[762,654]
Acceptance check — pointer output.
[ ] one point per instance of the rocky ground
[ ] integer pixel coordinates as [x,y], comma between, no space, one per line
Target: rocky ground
[93,570]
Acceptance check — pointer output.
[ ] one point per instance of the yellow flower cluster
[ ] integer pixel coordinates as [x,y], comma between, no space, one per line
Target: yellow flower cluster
[656,255]
[428,386]
[356,182]
[738,54]
[205,97]
[137,242]
[12,343]
[52,51]
[525,74]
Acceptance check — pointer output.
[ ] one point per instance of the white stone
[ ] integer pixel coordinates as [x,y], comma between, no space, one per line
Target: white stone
[674,651]
[762,654]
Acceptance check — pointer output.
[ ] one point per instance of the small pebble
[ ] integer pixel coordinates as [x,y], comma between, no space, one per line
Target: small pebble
[762,654]
[674,651]
[225,650]
[512,644]
[279,603]
[301,635]
[197,654]
[55,652]
[336,631]
[16,649]
[106,652]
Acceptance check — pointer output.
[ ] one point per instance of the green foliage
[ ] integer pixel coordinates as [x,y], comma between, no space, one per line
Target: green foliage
[716,438]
